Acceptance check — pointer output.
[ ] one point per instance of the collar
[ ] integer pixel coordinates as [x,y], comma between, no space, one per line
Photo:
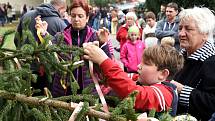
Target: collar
[203,53]
[176,20]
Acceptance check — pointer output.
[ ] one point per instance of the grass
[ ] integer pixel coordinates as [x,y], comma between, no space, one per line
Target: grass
[9,40]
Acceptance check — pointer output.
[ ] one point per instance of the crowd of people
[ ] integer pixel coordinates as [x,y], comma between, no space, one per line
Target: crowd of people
[171,55]
[7,13]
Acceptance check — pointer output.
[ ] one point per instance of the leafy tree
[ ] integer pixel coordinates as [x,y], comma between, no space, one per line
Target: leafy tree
[101,3]
[154,5]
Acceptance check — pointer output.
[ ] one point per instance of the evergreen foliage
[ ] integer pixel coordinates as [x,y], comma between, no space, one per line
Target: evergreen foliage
[16,78]
[16,94]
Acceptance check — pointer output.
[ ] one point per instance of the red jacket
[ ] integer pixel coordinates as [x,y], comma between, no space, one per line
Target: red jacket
[149,97]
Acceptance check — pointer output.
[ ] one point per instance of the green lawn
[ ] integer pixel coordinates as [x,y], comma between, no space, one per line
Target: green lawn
[9,43]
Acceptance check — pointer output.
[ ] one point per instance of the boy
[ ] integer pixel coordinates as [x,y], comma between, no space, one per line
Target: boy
[168,40]
[159,65]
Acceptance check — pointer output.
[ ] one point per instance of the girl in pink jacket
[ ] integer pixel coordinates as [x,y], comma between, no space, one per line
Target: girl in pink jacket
[132,50]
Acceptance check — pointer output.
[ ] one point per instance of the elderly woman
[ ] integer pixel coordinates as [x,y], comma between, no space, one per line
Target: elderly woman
[196,81]
[122,33]
[77,33]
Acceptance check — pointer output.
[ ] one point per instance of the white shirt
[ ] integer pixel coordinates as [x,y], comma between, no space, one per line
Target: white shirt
[148,29]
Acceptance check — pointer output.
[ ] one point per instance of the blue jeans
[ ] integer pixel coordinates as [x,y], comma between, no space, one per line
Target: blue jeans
[96,24]
[2,20]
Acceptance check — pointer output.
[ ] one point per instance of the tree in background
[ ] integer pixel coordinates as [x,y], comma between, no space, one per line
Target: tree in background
[101,3]
[154,5]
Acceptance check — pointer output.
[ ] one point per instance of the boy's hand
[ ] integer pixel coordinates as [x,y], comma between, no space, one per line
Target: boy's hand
[94,53]
[103,35]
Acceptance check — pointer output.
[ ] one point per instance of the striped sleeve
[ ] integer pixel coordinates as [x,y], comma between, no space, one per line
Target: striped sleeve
[110,45]
[185,95]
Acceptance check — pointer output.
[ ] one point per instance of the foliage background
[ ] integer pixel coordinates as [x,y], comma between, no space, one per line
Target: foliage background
[154,5]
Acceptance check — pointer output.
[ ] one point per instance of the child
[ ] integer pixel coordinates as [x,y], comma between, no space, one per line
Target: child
[168,40]
[148,35]
[159,65]
[132,50]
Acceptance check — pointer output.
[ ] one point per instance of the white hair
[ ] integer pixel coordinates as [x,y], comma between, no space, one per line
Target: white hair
[131,14]
[58,2]
[203,17]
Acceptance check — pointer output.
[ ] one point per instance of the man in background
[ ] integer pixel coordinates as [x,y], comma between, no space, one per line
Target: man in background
[161,15]
[168,27]
[51,12]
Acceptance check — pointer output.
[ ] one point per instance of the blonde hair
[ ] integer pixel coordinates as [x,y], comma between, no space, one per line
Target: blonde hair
[133,29]
[168,41]
[164,57]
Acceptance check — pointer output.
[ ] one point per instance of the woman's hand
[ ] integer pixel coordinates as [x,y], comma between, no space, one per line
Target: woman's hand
[94,53]
[41,25]
[178,85]
[103,35]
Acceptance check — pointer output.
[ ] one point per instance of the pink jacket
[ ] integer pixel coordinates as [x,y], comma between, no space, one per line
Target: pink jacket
[131,54]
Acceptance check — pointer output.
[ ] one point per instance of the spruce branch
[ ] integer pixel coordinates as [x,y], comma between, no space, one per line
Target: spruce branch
[11,57]
[53,103]
[10,50]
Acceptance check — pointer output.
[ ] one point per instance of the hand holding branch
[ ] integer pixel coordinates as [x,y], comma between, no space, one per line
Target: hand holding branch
[41,26]
[94,53]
